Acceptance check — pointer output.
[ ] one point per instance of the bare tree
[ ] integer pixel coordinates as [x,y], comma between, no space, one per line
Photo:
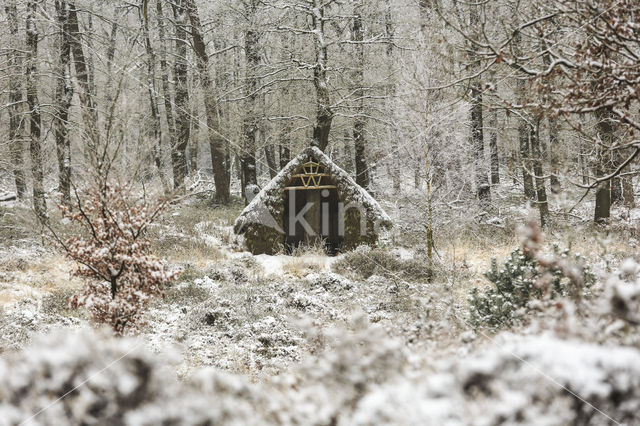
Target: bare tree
[362,171]
[324,110]
[156,123]
[85,92]
[216,141]
[63,95]
[35,121]
[483,189]
[16,119]
[250,120]
[183,117]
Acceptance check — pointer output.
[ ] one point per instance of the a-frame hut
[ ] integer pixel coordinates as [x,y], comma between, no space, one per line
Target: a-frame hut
[311,199]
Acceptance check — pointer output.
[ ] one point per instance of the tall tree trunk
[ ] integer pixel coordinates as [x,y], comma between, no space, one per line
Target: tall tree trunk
[269,149]
[391,92]
[111,52]
[554,160]
[85,92]
[250,121]
[285,109]
[493,142]
[622,186]
[552,152]
[628,197]
[164,79]
[524,133]
[483,189]
[601,166]
[216,141]
[270,156]
[183,116]
[16,110]
[324,112]
[616,191]
[524,129]
[62,101]
[156,123]
[362,172]
[194,143]
[493,147]
[284,154]
[35,147]
[348,153]
[541,193]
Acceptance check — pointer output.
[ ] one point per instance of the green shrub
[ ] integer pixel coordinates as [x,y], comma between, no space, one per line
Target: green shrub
[503,303]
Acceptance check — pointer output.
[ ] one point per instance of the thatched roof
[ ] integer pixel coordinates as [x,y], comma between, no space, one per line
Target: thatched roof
[264,206]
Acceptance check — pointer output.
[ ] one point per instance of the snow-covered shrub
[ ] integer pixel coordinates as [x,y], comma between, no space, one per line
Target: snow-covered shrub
[113,255]
[532,380]
[329,281]
[365,262]
[623,293]
[121,378]
[186,294]
[521,279]
[326,389]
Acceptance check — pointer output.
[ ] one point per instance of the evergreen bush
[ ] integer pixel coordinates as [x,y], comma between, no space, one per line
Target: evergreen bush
[505,301]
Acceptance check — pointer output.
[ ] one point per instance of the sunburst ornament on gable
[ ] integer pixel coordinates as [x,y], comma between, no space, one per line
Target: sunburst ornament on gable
[312,176]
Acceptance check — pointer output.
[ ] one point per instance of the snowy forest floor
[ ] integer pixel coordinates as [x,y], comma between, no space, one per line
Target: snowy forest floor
[301,325]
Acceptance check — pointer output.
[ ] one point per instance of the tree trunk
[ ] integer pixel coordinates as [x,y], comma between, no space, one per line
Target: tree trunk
[156,123]
[85,93]
[396,171]
[554,160]
[524,130]
[111,51]
[616,191]
[164,78]
[541,193]
[62,101]
[628,197]
[216,141]
[524,133]
[553,134]
[270,155]
[622,186]
[183,117]
[250,121]
[194,142]
[601,166]
[16,122]
[493,142]
[362,173]
[348,153]
[39,203]
[324,112]
[483,189]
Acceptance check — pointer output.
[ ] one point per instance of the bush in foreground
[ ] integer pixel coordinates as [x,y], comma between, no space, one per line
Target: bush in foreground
[114,257]
[361,380]
[521,279]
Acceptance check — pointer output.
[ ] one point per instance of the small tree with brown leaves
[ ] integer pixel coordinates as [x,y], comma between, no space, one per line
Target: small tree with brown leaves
[121,276]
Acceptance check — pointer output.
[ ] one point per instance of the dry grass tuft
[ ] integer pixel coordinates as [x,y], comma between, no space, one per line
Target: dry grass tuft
[305,260]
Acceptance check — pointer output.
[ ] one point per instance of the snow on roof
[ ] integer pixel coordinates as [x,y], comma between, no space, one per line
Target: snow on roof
[261,209]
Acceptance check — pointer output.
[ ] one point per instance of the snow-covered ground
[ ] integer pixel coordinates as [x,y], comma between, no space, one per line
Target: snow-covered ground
[300,339]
